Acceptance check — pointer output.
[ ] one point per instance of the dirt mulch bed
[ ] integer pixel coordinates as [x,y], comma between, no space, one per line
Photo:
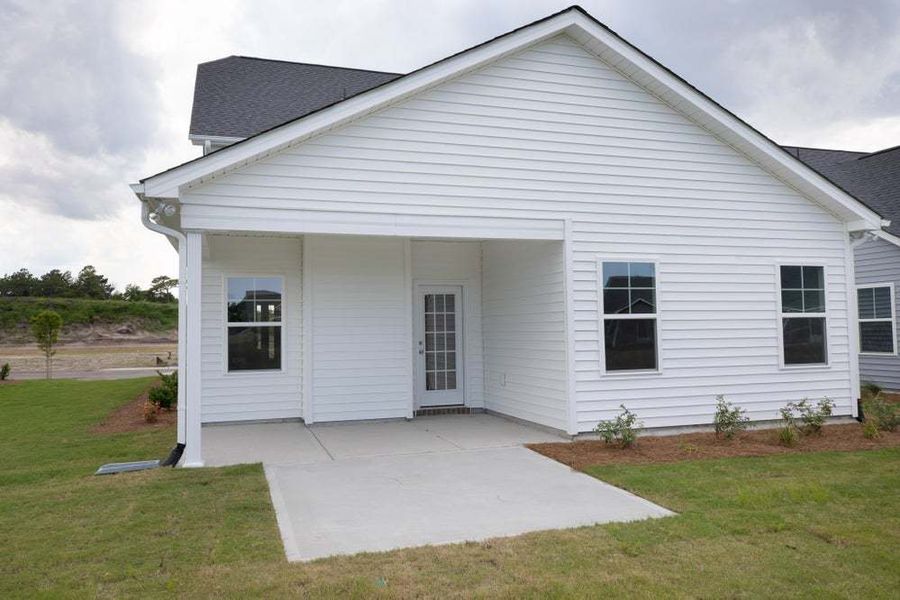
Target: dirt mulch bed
[130,417]
[693,446]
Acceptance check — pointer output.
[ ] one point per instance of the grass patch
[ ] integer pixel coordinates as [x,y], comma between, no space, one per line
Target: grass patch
[800,525]
[154,316]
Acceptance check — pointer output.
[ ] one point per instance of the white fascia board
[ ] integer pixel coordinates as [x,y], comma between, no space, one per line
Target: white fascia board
[888,237]
[676,92]
[199,140]
[167,183]
[861,225]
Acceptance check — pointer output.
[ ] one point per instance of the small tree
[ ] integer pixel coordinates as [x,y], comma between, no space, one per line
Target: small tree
[45,326]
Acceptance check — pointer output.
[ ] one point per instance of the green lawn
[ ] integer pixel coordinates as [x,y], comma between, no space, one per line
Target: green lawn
[804,525]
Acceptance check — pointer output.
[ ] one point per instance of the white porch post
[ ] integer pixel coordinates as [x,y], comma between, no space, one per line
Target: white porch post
[182,338]
[193,452]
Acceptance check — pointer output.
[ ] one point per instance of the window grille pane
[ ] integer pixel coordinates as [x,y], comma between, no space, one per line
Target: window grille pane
[882,300]
[449,303]
[866,300]
[451,380]
[804,340]
[792,301]
[254,348]
[643,301]
[615,301]
[630,344]
[814,278]
[429,302]
[429,381]
[240,312]
[438,303]
[615,274]
[814,301]
[240,288]
[791,277]
[876,336]
[450,322]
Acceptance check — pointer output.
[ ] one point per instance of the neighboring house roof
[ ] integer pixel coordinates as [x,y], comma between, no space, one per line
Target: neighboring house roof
[873,177]
[240,96]
[583,28]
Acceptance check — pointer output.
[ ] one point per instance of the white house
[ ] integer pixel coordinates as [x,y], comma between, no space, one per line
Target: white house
[874,178]
[546,226]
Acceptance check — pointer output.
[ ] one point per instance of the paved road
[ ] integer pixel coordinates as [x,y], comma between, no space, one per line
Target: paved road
[121,373]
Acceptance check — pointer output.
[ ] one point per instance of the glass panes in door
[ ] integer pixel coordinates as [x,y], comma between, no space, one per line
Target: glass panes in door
[440,342]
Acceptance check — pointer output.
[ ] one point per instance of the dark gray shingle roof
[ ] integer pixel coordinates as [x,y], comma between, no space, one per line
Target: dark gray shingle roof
[872,177]
[241,96]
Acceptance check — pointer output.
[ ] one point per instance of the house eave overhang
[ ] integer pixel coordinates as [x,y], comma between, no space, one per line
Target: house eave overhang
[595,37]
[199,139]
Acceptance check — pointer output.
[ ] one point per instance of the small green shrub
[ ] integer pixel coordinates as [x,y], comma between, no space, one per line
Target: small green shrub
[165,395]
[870,390]
[882,413]
[871,431]
[729,419]
[787,433]
[813,417]
[4,371]
[622,430]
[787,436]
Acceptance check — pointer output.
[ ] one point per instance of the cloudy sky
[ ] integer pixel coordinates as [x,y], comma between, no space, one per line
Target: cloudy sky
[97,94]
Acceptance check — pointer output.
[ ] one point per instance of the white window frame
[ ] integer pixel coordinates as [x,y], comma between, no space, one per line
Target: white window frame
[227,325]
[892,320]
[601,317]
[783,315]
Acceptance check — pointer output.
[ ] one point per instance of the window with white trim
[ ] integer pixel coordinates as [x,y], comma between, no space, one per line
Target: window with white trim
[876,318]
[629,316]
[803,319]
[253,306]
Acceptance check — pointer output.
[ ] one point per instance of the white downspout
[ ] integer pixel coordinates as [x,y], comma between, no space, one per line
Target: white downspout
[182,307]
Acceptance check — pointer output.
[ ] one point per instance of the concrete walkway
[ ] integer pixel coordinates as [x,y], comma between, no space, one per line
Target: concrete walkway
[364,487]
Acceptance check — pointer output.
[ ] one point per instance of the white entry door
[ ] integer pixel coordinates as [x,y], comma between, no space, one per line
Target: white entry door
[439,351]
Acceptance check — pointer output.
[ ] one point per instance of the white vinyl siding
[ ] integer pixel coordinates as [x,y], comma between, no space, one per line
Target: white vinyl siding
[878,261]
[458,263]
[552,133]
[361,328]
[250,395]
[525,331]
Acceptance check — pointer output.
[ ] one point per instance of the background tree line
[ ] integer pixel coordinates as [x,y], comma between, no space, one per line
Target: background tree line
[87,284]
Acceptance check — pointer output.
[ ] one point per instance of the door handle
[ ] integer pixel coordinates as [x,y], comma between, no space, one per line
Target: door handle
[421,348]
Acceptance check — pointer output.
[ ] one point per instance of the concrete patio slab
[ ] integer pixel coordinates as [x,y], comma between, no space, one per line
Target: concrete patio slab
[387,502]
[268,443]
[485,431]
[348,440]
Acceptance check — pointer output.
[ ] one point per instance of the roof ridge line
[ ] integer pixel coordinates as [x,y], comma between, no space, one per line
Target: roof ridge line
[877,152]
[309,64]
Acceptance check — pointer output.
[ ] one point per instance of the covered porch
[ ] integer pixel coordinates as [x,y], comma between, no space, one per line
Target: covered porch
[320,328]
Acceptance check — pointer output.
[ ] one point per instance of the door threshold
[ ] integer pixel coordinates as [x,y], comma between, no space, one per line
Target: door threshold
[446,410]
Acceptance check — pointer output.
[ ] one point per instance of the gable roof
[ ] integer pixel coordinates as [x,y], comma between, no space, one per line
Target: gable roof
[239,96]
[873,177]
[595,38]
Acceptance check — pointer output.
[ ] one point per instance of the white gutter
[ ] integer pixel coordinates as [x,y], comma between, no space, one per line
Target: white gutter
[180,242]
